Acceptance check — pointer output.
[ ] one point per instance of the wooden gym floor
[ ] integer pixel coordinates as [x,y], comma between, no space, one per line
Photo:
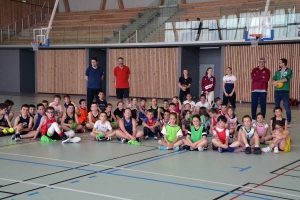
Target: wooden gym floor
[110,170]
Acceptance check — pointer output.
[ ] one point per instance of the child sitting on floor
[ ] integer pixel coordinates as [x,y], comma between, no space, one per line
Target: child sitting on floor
[196,136]
[155,108]
[248,136]
[23,123]
[189,101]
[102,103]
[67,101]
[151,125]
[119,111]
[164,108]
[10,113]
[220,142]
[5,124]
[45,103]
[231,122]
[31,110]
[213,114]
[172,132]
[58,109]
[281,139]
[261,128]
[142,109]
[135,110]
[102,130]
[69,120]
[185,122]
[177,103]
[82,112]
[93,116]
[110,116]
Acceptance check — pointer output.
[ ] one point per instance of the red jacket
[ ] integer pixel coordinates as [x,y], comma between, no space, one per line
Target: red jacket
[260,79]
[208,84]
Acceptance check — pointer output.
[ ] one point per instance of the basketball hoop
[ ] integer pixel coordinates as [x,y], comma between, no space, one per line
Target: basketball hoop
[35,45]
[254,39]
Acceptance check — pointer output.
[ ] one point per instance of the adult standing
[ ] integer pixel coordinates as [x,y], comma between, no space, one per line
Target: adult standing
[184,84]
[281,82]
[121,73]
[229,88]
[260,76]
[208,85]
[94,76]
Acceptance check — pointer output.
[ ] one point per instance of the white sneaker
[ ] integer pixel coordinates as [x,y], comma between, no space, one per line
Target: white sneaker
[75,139]
[146,137]
[276,150]
[200,149]
[266,150]
[155,138]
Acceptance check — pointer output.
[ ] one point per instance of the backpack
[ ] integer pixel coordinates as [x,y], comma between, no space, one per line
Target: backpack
[293,102]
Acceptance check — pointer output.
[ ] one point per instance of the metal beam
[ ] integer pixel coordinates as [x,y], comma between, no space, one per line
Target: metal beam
[102,4]
[67,6]
[121,4]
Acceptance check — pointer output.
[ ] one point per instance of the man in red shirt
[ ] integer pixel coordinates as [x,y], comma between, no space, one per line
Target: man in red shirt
[260,76]
[122,73]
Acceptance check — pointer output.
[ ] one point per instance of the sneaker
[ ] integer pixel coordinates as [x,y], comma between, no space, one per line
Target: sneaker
[231,149]
[289,125]
[17,137]
[220,149]
[205,148]
[80,131]
[13,137]
[200,149]
[109,138]
[267,149]
[155,137]
[248,150]
[137,139]
[101,139]
[124,140]
[146,137]
[65,138]
[176,148]
[276,150]
[185,147]
[256,150]
[160,147]
[74,139]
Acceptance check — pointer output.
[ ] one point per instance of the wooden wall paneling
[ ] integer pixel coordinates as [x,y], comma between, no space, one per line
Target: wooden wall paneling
[244,58]
[66,5]
[81,69]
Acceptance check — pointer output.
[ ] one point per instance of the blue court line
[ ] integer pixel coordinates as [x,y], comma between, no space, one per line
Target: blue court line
[187,185]
[242,169]
[74,182]
[148,161]
[31,194]
[92,176]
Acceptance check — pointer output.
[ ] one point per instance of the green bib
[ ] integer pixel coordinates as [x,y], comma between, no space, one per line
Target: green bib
[171,132]
[196,135]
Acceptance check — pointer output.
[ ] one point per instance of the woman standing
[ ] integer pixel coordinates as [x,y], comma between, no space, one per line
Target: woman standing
[229,88]
[184,84]
[208,85]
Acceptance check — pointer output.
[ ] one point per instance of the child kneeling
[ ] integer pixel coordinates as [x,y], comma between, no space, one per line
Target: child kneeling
[221,137]
[172,132]
[196,138]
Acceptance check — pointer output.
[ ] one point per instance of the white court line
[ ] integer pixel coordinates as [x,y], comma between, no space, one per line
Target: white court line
[154,173]
[62,188]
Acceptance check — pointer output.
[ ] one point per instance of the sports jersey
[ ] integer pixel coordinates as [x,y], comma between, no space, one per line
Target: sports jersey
[141,115]
[229,83]
[82,115]
[197,134]
[150,122]
[69,119]
[249,133]
[102,127]
[109,117]
[7,112]
[231,120]
[102,104]
[38,121]
[3,121]
[24,121]
[48,122]
[128,125]
[155,111]
[214,121]
[273,119]
[171,132]
[221,133]
[261,129]
[94,117]
[119,113]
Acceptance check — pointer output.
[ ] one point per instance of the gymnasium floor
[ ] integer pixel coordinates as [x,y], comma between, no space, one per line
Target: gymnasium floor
[109,170]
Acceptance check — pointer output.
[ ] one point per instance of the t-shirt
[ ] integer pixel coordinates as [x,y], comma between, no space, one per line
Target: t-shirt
[94,77]
[102,127]
[197,134]
[206,104]
[122,76]
[57,108]
[192,103]
[102,104]
[186,82]
[260,129]
[171,132]
[229,83]
[119,113]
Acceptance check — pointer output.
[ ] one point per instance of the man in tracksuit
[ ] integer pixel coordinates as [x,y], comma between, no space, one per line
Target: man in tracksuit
[260,76]
[283,75]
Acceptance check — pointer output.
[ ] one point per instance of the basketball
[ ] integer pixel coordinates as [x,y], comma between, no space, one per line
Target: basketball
[279,85]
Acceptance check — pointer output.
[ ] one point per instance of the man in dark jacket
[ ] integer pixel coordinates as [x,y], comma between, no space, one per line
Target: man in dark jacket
[260,76]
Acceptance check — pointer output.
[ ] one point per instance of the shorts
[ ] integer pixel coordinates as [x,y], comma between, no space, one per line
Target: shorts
[122,93]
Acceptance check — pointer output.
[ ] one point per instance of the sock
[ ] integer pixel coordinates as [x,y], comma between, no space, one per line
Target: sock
[256,146]
[20,136]
[60,134]
[247,145]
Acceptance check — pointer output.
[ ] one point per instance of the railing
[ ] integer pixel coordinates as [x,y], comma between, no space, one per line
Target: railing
[25,23]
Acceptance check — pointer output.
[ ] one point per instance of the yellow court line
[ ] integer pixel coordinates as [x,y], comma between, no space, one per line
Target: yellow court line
[18,145]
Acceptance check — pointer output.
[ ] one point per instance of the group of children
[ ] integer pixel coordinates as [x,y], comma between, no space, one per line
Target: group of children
[167,124]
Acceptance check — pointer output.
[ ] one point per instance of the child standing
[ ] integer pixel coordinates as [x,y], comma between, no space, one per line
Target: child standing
[5,123]
[155,108]
[119,112]
[10,113]
[261,128]
[102,130]
[248,136]
[196,136]
[232,122]
[220,141]
[110,116]
[281,139]
[102,103]
[164,108]
[70,120]
[82,112]
[93,116]
[23,123]
[185,122]
[127,129]
[151,125]
[58,110]
[172,132]
[32,110]
[189,101]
